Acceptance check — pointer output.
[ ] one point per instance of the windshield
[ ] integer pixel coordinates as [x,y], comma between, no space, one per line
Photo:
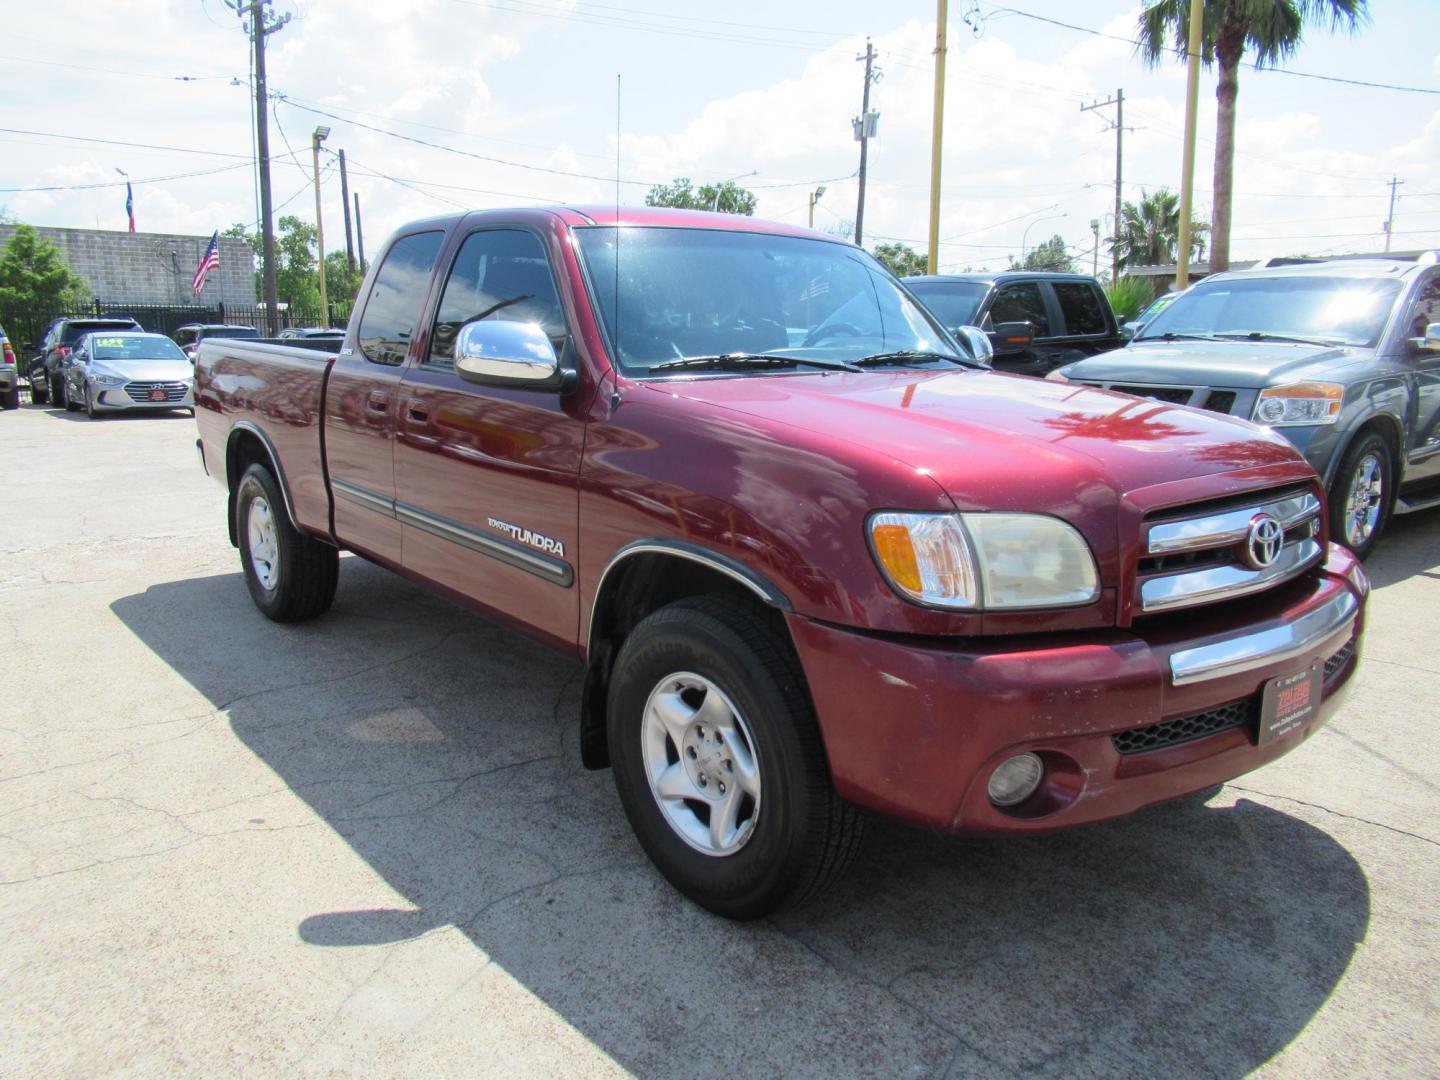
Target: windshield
[1328,310]
[229,331]
[134,348]
[690,293]
[954,303]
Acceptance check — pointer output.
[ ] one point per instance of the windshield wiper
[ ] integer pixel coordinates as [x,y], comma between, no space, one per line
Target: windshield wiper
[738,361]
[1262,335]
[907,356]
[1177,337]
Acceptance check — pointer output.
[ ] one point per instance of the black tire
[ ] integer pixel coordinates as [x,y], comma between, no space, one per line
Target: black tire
[1370,449]
[70,405]
[57,393]
[10,399]
[803,834]
[39,392]
[90,410]
[306,570]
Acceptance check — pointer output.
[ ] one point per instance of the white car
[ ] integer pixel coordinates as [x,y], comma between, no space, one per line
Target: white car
[120,372]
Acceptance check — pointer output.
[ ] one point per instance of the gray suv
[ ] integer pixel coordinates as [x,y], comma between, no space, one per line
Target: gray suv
[1342,356]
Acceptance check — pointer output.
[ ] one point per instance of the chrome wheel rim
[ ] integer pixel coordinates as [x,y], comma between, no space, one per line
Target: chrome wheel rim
[702,764]
[1364,499]
[263,543]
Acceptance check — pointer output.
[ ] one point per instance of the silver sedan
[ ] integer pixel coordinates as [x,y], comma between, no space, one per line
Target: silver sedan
[114,372]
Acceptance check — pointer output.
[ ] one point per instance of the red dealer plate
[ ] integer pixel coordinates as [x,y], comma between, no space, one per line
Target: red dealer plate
[1289,703]
[157,395]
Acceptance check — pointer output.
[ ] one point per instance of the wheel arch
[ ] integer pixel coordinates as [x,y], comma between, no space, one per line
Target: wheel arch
[641,577]
[1388,427]
[247,445]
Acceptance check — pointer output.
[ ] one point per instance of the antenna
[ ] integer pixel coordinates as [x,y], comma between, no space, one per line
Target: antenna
[616,294]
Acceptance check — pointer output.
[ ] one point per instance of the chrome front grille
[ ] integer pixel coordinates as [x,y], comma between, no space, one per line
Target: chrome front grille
[1201,397]
[144,391]
[1221,553]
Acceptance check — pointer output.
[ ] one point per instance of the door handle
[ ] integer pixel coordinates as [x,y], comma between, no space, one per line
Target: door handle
[418,410]
[379,401]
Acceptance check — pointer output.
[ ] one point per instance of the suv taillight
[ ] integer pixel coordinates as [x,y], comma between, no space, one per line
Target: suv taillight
[62,351]
[9,355]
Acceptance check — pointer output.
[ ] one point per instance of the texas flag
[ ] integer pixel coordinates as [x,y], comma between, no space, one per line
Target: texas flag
[130,205]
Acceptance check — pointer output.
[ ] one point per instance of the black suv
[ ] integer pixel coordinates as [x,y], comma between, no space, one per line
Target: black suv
[59,340]
[1036,321]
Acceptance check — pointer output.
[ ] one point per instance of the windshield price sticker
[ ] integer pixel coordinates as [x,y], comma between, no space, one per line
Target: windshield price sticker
[1289,702]
[110,342]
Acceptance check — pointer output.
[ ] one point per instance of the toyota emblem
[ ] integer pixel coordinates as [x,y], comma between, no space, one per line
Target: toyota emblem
[1263,541]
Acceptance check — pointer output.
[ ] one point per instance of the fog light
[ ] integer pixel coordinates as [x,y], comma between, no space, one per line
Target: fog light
[1015,779]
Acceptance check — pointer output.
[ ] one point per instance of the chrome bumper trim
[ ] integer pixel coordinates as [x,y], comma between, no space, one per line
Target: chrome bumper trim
[1265,647]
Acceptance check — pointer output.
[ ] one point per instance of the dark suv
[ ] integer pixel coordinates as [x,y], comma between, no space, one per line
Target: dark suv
[189,336]
[59,340]
[1036,321]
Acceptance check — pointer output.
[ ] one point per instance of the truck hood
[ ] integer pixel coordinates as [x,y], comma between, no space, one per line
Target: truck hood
[995,441]
[1238,364]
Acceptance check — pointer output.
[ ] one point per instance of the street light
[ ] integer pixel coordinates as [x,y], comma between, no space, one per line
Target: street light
[1095,260]
[814,198]
[720,186]
[321,134]
[1024,235]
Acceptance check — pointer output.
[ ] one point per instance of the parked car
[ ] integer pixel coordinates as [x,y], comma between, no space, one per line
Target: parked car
[813,555]
[1036,321]
[9,374]
[114,372]
[1131,327]
[55,345]
[1341,356]
[312,332]
[189,336]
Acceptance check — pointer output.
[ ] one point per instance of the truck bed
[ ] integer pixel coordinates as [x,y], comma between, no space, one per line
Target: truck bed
[273,389]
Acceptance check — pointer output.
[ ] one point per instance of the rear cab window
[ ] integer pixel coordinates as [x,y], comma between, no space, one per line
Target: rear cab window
[1021,301]
[393,307]
[1081,307]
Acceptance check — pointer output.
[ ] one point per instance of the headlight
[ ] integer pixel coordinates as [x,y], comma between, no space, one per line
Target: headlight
[105,378]
[1299,403]
[984,561]
[1055,376]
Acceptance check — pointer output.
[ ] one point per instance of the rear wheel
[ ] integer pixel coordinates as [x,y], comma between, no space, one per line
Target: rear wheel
[1362,494]
[10,399]
[39,390]
[719,762]
[290,576]
[57,392]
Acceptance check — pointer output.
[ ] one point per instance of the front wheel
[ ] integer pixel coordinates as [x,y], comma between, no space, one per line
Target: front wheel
[1361,496]
[39,390]
[71,405]
[291,577]
[719,763]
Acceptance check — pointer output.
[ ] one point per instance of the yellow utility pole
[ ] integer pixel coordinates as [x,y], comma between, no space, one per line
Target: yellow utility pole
[1194,43]
[321,134]
[932,261]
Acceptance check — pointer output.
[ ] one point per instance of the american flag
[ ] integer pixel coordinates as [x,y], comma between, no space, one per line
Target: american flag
[210,261]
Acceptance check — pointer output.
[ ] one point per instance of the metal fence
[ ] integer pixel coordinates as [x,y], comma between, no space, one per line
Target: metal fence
[25,326]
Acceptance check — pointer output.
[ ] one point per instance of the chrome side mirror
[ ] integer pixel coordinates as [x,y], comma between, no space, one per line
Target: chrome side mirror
[978,342]
[493,351]
[1431,341]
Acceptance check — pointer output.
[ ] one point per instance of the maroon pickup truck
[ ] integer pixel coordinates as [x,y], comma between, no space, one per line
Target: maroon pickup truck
[816,557]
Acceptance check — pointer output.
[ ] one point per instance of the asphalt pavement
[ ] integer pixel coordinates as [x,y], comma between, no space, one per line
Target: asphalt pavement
[365,846]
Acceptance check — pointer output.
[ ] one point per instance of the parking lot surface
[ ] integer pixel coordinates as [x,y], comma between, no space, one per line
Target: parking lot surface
[365,846]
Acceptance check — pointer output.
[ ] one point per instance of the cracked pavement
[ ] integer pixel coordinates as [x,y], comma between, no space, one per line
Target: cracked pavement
[365,846]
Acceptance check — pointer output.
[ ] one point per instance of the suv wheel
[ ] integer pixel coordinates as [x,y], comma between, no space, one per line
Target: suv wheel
[1362,495]
[291,577]
[39,390]
[719,763]
[10,399]
[57,392]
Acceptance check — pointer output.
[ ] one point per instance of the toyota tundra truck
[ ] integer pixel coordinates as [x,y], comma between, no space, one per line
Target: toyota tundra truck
[817,558]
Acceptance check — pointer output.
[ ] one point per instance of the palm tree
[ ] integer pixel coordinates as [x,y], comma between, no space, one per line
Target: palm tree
[1271,31]
[1150,232]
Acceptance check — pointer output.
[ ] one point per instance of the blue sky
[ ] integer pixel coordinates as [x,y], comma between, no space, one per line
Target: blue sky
[525,91]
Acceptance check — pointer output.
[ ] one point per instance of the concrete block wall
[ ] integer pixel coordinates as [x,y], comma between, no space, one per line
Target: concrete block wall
[151,268]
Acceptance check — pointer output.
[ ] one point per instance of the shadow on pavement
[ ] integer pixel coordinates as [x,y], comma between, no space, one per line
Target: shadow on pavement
[1409,547]
[1185,941]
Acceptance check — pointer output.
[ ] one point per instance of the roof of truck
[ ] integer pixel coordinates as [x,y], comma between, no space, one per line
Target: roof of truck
[580,216]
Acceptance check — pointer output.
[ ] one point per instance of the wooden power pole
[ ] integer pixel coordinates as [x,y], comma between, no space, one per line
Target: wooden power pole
[1119,102]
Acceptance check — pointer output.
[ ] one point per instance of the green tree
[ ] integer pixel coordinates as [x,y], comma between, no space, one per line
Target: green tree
[1271,31]
[239,232]
[297,281]
[34,274]
[900,259]
[727,198]
[342,284]
[1150,230]
[1051,255]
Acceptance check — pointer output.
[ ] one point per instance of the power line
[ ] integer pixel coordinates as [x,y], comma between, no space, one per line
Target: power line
[122,183]
[90,69]
[1254,67]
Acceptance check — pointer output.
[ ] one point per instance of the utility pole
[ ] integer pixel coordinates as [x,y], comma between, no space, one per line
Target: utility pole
[259,31]
[864,130]
[932,259]
[345,202]
[359,234]
[1193,41]
[1119,102]
[321,134]
[1390,220]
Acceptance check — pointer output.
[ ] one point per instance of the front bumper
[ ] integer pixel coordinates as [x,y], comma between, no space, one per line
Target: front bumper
[133,396]
[914,727]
